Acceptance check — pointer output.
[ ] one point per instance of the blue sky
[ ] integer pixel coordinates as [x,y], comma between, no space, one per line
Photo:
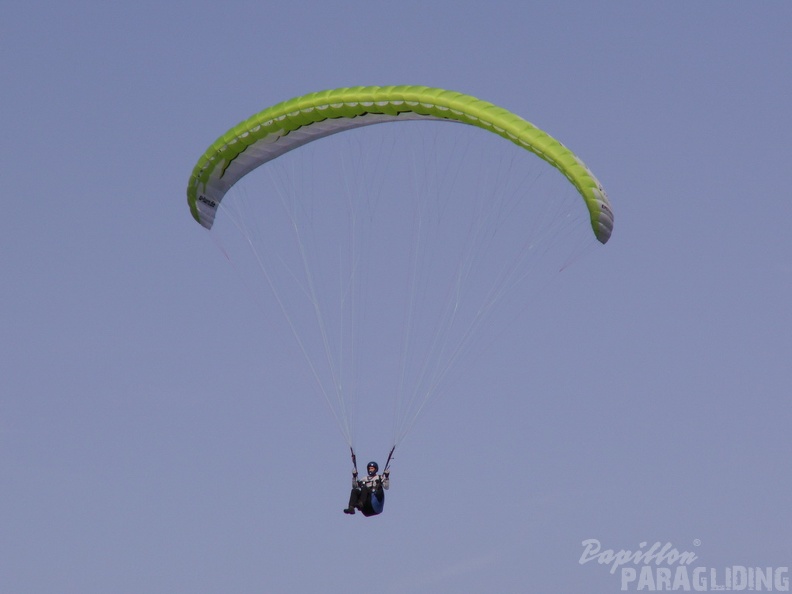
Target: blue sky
[146,446]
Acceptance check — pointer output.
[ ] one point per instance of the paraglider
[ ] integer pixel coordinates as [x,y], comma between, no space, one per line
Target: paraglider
[288,125]
[350,304]
[368,494]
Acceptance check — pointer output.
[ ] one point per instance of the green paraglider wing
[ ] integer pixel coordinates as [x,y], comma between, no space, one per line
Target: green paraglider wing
[290,124]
